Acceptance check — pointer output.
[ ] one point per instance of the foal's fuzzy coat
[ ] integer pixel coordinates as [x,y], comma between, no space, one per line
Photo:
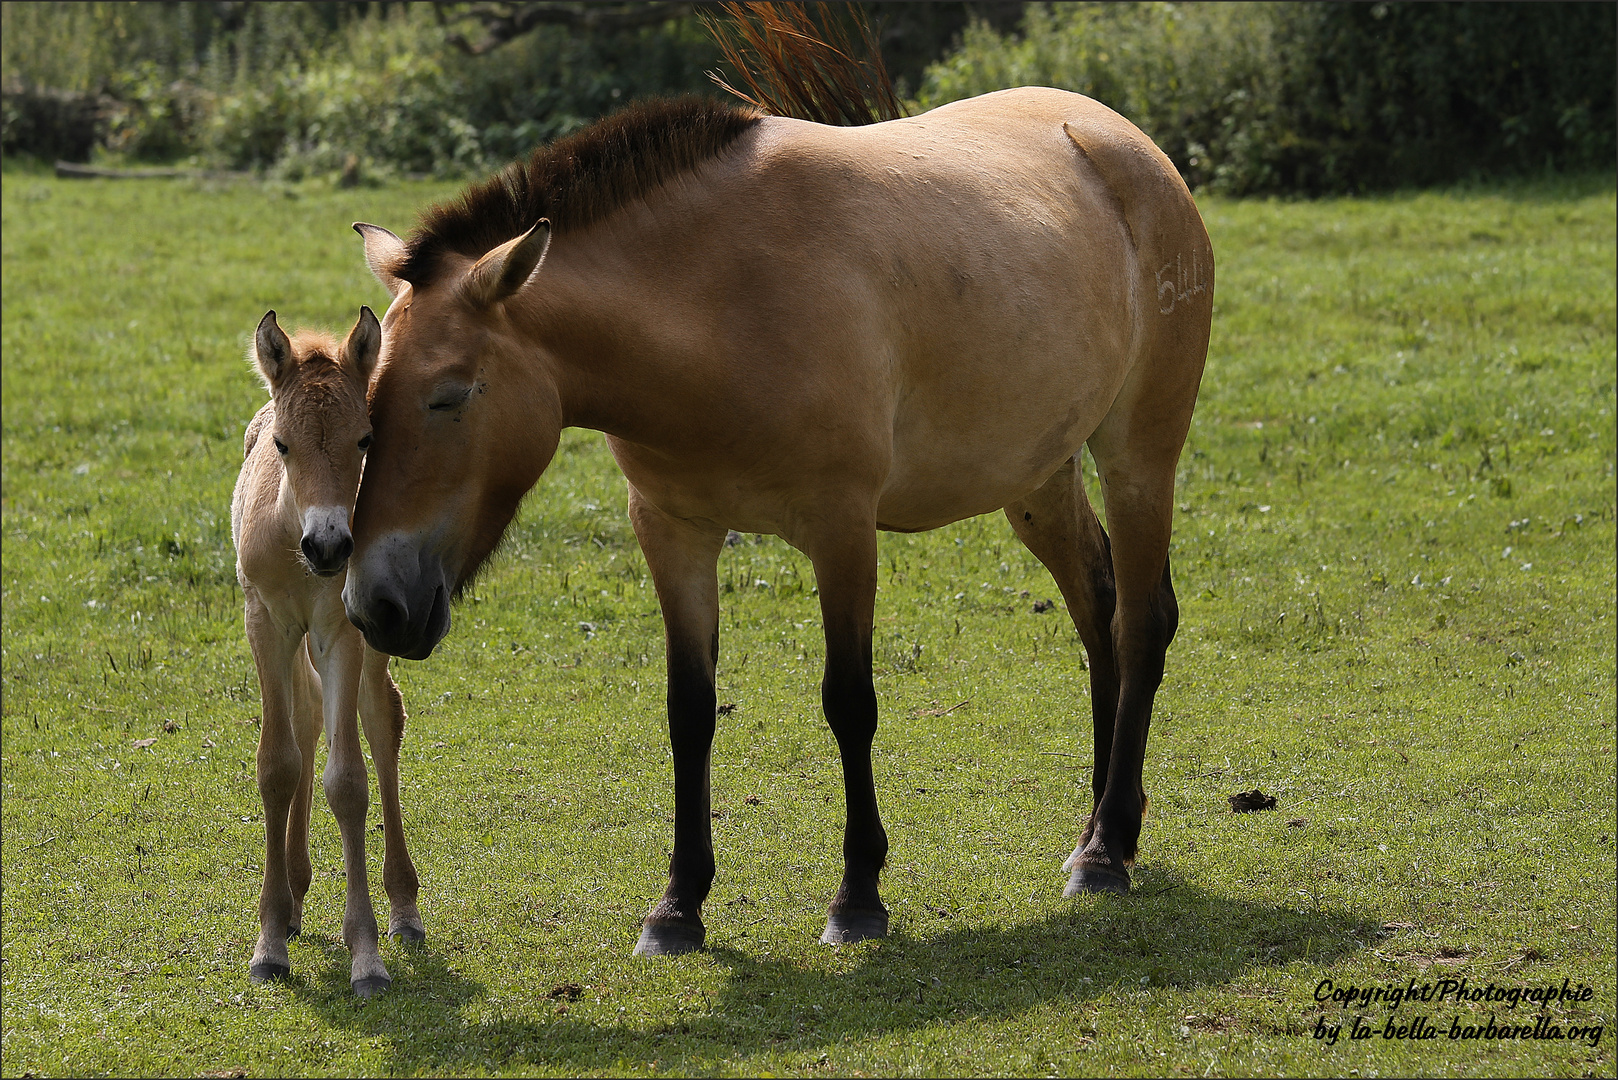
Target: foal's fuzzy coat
[290,522]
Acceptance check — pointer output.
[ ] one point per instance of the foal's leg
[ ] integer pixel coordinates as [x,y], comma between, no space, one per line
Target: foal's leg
[1139,489]
[1057,524]
[845,572]
[306,721]
[682,559]
[275,649]
[337,650]
[382,713]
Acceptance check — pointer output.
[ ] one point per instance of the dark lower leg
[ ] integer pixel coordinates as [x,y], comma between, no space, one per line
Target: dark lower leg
[682,558]
[846,574]
[1114,832]
[856,910]
[675,923]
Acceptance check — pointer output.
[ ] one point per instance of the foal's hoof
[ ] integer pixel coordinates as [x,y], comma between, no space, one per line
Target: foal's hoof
[668,938]
[268,970]
[293,931]
[849,927]
[408,935]
[1094,879]
[370,985]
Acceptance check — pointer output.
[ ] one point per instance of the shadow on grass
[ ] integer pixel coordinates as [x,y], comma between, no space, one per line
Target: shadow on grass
[1171,935]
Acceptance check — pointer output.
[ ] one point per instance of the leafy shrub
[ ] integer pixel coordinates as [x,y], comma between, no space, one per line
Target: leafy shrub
[301,87]
[1322,97]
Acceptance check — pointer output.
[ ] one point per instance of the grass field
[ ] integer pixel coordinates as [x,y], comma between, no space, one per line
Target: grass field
[1394,555]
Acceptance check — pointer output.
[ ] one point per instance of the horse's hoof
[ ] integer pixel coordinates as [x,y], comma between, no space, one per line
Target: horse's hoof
[371,985]
[670,938]
[408,935]
[268,971]
[293,931]
[1094,879]
[849,927]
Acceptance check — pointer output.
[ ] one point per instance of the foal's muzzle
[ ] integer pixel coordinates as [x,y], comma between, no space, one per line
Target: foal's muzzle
[326,543]
[327,558]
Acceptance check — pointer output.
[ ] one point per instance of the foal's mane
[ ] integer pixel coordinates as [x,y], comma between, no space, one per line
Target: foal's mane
[577,180]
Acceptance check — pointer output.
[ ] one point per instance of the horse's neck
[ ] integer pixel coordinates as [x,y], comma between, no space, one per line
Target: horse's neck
[606,337]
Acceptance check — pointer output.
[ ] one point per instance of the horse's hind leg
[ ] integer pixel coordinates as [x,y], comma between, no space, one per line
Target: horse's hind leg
[279,768]
[1137,478]
[1057,524]
[306,729]
[683,559]
[336,648]
[383,716]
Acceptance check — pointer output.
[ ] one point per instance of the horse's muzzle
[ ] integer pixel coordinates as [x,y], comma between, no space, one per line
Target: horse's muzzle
[399,617]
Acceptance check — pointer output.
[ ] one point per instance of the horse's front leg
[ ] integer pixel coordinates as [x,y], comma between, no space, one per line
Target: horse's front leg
[682,559]
[845,572]
[337,651]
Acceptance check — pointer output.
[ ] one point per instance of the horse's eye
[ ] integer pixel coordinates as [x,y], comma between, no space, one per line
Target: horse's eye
[280,447]
[447,398]
[365,442]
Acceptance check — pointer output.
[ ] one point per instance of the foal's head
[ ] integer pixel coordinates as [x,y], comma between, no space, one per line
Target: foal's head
[321,427]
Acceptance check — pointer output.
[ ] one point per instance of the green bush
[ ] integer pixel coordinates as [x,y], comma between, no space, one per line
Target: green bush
[1322,97]
[299,88]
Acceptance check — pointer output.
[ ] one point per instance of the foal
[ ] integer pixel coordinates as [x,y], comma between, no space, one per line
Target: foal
[290,521]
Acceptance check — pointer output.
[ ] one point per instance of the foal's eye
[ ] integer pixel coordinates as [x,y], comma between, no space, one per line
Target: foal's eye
[280,447]
[365,442]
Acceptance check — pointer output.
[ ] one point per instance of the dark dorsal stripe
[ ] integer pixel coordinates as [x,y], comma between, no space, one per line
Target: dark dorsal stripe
[577,180]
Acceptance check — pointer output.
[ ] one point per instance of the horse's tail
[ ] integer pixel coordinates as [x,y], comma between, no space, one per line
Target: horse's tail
[805,65]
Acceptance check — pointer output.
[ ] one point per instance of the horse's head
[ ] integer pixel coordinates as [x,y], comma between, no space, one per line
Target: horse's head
[321,428]
[466,421]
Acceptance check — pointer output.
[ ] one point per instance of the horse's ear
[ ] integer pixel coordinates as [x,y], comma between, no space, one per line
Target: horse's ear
[507,268]
[383,252]
[272,352]
[363,343]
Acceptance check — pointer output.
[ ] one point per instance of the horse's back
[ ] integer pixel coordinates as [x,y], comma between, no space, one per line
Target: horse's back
[999,251]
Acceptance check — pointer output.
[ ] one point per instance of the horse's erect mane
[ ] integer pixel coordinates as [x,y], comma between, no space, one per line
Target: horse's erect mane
[577,180]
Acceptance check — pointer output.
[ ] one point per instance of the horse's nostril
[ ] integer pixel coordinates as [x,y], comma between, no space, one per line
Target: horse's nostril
[310,552]
[345,548]
[388,615]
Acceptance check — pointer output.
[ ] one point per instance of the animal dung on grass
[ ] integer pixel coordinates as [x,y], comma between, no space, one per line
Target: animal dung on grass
[1245,802]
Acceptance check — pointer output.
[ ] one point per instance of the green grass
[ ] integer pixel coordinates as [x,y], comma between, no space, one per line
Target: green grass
[1395,562]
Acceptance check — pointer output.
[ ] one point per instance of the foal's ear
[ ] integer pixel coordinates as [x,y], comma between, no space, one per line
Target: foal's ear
[272,352]
[363,343]
[383,252]
[507,268]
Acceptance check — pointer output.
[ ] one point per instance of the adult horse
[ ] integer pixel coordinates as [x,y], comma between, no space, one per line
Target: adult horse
[815,332]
